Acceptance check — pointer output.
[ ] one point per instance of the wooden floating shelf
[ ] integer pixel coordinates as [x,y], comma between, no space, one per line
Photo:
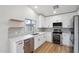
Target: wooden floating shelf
[14,23]
[17,20]
[16,27]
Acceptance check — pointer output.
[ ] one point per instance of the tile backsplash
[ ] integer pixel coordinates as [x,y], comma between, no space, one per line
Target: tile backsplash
[13,32]
[64,30]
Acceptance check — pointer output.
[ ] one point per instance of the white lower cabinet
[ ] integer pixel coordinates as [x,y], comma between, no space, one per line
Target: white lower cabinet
[41,39]
[38,41]
[19,47]
[16,47]
[66,39]
[49,36]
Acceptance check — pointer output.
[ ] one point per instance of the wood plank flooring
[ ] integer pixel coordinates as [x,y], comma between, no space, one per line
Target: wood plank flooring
[48,47]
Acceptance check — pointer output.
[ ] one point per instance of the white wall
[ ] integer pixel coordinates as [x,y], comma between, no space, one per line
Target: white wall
[3,31]
[20,12]
[9,12]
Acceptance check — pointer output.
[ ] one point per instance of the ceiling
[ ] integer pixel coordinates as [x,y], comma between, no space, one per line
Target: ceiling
[48,10]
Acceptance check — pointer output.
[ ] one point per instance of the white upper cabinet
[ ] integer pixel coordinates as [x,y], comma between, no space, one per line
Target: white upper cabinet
[66,19]
[52,19]
[48,22]
[41,21]
[67,24]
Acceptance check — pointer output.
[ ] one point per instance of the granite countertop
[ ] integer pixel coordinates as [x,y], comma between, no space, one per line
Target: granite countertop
[23,37]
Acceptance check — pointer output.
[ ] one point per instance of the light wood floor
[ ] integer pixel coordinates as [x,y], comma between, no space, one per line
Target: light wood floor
[48,47]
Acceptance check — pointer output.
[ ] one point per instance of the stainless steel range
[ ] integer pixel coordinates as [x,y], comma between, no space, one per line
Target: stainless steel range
[57,33]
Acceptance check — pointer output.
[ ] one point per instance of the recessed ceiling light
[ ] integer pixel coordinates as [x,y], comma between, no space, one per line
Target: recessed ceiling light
[36,7]
[54,12]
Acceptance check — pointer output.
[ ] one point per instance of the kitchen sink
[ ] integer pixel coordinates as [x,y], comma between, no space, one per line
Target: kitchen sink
[35,33]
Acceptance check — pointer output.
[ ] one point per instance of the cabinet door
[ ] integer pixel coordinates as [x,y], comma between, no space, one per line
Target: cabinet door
[41,21]
[67,24]
[41,40]
[47,22]
[44,37]
[19,46]
[67,21]
[49,36]
[66,39]
[36,42]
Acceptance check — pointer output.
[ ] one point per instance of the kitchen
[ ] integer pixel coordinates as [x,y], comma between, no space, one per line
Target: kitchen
[30,27]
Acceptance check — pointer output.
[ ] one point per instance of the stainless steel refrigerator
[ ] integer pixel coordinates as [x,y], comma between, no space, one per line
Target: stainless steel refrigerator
[76,33]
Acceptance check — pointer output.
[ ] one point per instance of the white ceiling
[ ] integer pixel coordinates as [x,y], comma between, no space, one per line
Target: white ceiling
[47,10]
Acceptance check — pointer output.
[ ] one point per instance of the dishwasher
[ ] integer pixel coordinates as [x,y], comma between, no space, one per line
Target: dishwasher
[28,45]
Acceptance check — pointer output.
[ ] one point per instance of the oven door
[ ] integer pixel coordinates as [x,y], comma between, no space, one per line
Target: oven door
[56,38]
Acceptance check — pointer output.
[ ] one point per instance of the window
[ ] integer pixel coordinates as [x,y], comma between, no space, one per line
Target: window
[29,28]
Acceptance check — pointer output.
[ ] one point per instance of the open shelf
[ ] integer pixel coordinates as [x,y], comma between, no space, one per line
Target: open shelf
[16,20]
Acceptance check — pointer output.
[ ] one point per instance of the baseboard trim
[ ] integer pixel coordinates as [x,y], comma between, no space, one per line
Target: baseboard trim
[66,45]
